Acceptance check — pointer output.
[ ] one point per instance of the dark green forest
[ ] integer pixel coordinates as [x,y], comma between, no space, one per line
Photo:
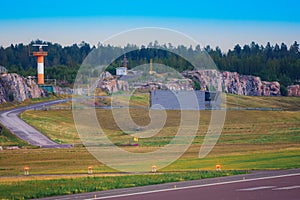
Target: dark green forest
[278,62]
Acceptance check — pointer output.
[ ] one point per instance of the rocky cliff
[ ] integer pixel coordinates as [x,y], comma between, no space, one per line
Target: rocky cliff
[110,84]
[229,82]
[14,87]
[232,82]
[294,90]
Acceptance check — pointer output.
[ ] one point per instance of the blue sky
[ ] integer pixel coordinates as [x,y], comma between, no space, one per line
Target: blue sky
[222,23]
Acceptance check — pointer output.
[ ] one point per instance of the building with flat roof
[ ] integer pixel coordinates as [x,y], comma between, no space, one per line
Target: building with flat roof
[182,100]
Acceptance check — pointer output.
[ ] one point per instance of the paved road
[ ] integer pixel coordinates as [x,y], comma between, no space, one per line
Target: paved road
[26,132]
[265,185]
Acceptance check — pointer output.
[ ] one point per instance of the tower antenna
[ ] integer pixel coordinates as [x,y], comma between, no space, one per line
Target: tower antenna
[40,54]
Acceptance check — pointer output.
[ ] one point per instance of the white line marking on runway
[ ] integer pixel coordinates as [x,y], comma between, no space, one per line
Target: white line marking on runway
[195,186]
[256,188]
[288,188]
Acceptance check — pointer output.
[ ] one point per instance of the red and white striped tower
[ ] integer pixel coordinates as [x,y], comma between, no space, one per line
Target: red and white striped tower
[40,62]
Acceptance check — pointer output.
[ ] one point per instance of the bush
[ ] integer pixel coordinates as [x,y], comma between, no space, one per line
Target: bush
[283,90]
[197,85]
[11,96]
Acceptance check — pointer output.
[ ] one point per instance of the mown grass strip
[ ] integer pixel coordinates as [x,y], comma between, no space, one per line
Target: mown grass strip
[46,188]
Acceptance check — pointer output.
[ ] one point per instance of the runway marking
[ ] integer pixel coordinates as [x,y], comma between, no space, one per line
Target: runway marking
[256,188]
[194,186]
[288,188]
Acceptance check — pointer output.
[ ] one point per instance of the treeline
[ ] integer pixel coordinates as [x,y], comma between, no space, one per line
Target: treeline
[62,63]
[271,62]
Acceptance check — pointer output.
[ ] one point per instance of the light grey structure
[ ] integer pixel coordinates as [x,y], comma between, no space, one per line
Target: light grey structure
[185,100]
[121,71]
[3,70]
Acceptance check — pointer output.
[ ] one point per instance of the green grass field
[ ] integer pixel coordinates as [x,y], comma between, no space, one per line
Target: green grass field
[246,133]
[284,103]
[251,139]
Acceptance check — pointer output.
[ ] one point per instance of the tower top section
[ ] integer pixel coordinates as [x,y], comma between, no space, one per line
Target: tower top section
[40,52]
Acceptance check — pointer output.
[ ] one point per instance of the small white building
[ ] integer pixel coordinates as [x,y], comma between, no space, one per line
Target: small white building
[121,71]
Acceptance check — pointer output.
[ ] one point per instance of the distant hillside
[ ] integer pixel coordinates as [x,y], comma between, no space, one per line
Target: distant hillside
[271,62]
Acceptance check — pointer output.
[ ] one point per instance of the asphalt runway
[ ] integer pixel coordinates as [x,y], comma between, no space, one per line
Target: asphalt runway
[21,129]
[264,185]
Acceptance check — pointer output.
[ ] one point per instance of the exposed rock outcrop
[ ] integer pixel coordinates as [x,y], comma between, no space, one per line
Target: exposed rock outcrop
[229,82]
[60,90]
[249,85]
[294,90]
[232,82]
[14,87]
[175,84]
[111,84]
